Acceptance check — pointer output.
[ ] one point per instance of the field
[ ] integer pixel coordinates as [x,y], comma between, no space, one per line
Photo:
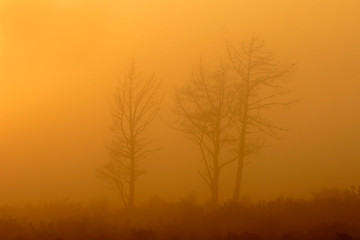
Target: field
[329,215]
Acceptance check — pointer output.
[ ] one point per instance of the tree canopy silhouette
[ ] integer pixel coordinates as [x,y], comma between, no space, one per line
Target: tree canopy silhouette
[259,87]
[136,103]
[204,113]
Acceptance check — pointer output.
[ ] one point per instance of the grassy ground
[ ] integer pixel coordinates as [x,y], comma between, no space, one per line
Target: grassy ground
[330,215]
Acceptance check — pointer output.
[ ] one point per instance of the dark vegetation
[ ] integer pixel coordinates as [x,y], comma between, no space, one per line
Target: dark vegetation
[329,215]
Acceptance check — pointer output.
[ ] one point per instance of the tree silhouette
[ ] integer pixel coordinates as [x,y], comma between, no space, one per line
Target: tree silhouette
[136,103]
[259,87]
[204,113]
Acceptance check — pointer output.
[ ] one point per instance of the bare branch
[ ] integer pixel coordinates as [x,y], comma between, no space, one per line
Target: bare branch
[136,103]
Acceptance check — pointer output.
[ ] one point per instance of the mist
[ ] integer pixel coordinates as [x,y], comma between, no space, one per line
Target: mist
[61,62]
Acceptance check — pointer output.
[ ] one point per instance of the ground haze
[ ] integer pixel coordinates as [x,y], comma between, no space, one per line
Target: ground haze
[61,63]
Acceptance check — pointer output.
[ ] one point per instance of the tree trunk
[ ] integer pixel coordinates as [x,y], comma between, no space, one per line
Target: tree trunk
[215,189]
[131,196]
[240,166]
[238,179]
[132,185]
[216,170]
[241,156]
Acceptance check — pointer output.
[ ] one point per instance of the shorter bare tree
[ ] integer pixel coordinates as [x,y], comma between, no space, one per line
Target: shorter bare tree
[204,113]
[136,103]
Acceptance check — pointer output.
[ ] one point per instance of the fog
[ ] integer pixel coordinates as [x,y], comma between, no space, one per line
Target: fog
[61,62]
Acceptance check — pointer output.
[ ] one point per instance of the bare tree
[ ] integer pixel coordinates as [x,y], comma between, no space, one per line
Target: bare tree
[204,113]
[136,103]
[259,86]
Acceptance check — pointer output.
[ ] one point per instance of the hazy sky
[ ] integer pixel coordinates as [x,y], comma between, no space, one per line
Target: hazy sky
[59,64]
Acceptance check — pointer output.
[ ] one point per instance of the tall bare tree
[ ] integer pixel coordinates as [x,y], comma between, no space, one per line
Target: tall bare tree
[204,113]
[136,103]
[259,87]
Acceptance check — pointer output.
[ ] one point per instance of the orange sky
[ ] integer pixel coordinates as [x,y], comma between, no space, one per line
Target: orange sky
[59,61]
